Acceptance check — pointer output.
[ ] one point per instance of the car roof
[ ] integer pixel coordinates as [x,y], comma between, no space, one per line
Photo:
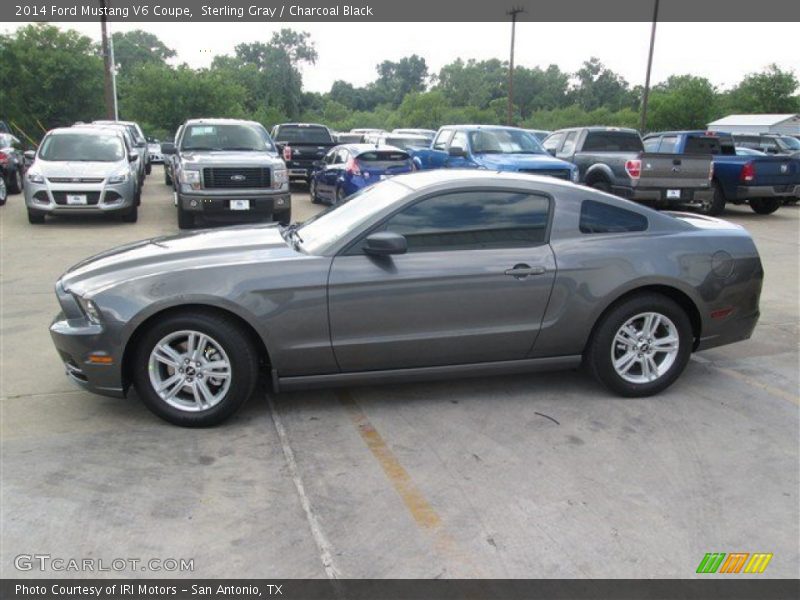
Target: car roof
[599,128]
[218,121]
[408,136]
[301,125]
[477,127]
[112,122]
[421,179]
[361,148]
[87,128]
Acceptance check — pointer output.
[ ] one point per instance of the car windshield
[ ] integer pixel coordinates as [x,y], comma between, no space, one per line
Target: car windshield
[300,134]
[504,141]
[407,142]
[789,143]
[228,136]
[82,147]
[327,227]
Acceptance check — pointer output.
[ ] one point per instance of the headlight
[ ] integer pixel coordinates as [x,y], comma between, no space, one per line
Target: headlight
[34,177]
[89,308]
[280,177]
[118,178]
[190,177]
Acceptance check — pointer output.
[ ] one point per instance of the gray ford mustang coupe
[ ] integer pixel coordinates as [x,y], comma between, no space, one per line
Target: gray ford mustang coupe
[436,274]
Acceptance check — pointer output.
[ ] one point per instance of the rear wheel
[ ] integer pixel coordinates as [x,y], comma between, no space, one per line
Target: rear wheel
[195,370]
[312,190]
[185,218]
[3,190]
[765,206]
[16,183]
[148,168]
[35,217]
[714,203]
[602,185]
[640,346]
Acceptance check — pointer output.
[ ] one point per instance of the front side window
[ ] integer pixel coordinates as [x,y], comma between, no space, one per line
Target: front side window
[460,141]
[82,147]
[599,217]
[569,144]
[441,139]
[552,142]
[473,220]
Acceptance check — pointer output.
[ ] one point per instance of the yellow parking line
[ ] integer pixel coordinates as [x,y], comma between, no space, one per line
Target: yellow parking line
[423,513]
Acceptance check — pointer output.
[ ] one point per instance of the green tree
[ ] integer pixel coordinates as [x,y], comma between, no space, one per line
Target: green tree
[50,76]
[600,86]
[682,102]
[135,48]
[396,79]
[773,90]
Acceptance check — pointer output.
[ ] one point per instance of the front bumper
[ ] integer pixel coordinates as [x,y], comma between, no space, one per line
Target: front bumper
[745,192]
[51,198]
[275,205]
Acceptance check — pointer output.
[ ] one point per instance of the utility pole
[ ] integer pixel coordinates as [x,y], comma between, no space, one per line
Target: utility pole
[513,14]
[646,94]
[108,64]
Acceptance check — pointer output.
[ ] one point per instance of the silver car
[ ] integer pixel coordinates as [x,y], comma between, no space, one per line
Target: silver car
[81,170]
[442,273]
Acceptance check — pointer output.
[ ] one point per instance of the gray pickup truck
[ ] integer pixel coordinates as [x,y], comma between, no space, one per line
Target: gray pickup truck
[613,159]
[228,170]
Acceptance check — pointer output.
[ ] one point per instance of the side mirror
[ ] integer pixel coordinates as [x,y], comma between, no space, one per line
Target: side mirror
[29,154]
[133,156]
[385,243]
[167,148]
[456,152]
[551,151]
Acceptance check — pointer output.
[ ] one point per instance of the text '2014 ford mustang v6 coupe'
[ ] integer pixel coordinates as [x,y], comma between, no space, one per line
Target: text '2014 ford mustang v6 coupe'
[434,274]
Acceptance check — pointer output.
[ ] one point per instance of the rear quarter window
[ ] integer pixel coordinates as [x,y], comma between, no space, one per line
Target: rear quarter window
[599,217]
[373,156]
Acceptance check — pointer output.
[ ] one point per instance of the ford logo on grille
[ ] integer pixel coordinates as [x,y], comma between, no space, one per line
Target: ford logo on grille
[784,168]
[238,177]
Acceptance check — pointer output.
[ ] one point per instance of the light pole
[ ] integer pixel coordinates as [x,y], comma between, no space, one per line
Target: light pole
[646,94]
[110,80]
[513,13]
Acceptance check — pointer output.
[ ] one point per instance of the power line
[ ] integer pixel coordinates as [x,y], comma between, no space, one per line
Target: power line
[513,14]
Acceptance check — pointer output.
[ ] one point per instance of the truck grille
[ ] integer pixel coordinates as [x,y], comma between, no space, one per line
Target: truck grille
[91,197]
[236,177]
[557,173]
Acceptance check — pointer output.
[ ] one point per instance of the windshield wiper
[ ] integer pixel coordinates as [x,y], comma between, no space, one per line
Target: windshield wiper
[200,149]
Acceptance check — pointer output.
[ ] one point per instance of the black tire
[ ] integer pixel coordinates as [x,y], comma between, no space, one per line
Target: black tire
[148,168]
[3,189]
[601,185]
[138,196]
[339,196]
[234,341]
[598,355]
[185,218]
[167,178]
[131,215]
[765,206]
[715,205]
[312,191]
[35,217]
[15,182]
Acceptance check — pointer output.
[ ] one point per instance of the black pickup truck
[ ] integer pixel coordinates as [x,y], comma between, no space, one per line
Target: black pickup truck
[302,145]
[613,159]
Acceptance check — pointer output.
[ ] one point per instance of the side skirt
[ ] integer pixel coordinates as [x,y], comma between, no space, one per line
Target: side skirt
[530,365]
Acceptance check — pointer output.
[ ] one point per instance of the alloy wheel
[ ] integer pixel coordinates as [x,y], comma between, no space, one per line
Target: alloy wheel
[645,347]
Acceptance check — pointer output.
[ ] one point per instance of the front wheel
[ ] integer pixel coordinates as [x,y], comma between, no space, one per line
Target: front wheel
[185,218]
[195,370]
[640,346]
[765,206]
[131,215]
[16,183]
[35,217]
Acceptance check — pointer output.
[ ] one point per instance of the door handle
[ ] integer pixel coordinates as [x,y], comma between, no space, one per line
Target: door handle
[521,271]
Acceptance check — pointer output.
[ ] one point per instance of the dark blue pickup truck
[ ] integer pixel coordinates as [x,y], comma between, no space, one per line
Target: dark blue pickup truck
[763,182]
[491,147]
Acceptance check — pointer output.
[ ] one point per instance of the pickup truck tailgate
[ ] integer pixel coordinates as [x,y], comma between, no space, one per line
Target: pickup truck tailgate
[674,171]
[775,171]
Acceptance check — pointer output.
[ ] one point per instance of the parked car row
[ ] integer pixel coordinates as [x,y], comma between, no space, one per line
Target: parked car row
[87,168]
[12,166]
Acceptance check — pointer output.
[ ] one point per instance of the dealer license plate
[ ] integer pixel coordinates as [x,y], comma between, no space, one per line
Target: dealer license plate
[673,194]
[240,204]
[76,199]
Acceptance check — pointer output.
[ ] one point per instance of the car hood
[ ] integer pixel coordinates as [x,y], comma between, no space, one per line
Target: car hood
[515,162]
[77,168]
[223,158]
[195,250]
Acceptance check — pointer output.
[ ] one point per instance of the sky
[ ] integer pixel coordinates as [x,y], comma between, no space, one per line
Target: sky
[722,52]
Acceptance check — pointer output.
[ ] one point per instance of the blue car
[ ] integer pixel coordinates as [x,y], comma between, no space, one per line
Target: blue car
[349,168]
[491,147]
